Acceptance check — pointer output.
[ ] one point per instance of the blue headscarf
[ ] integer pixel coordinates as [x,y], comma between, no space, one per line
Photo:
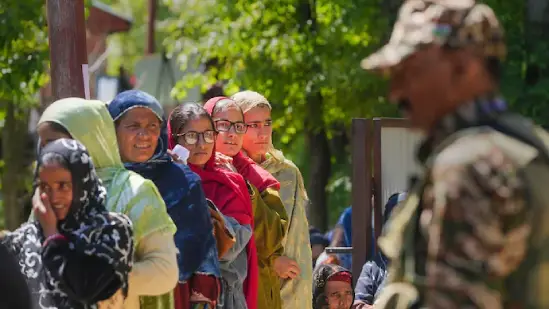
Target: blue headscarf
[181,190]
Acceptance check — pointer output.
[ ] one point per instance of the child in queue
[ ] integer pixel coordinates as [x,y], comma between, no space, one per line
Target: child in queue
[75,254]
[258,146]
[270,217]
[192,127]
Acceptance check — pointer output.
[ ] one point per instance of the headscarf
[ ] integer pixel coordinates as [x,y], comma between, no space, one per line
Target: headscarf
[88,228]
[323,274]
[255,174]
[229,192]
[181,190]
[89,122]
[247,100]
[128,100]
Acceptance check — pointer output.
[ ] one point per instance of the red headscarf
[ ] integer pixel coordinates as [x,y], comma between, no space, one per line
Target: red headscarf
[228,191]
[259,177]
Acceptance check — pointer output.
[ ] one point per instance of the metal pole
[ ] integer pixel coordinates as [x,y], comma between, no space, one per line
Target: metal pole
[151,26]
[68,53]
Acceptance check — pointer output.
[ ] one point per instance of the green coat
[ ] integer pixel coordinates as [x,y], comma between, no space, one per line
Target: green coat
[270,220]
[297,244]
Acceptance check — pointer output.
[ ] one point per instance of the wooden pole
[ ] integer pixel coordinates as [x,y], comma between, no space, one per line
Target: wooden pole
[151,27]
[361,157]
[68,53]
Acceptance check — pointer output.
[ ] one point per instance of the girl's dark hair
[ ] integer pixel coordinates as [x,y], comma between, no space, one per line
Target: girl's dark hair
[225,104]
[58,128]
[48,159]
[182,114]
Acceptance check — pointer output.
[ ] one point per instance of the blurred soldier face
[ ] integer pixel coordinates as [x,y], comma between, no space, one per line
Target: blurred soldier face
[434,81]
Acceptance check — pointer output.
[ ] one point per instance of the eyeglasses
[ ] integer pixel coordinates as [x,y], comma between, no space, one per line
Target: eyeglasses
[192,137]
[226,125]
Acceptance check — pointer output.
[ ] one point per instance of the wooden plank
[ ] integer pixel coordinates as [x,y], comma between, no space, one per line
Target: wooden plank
[378,213]
[361,193]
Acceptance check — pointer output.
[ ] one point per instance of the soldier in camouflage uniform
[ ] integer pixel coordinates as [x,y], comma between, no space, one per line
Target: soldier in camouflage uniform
[474,231]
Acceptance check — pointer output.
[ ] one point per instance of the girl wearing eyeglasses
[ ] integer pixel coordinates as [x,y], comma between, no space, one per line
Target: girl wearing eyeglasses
[259,147]
[192,127]
[270,216]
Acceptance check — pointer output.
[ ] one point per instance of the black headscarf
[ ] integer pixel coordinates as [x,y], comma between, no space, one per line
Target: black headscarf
[89,229]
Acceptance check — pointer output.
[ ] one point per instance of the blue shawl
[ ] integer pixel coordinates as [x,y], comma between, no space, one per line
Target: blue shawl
[181,190]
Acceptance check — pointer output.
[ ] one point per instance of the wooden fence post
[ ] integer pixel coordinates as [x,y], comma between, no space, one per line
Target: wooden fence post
[361,193]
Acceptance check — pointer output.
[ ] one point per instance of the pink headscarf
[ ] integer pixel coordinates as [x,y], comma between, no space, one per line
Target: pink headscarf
[251,171]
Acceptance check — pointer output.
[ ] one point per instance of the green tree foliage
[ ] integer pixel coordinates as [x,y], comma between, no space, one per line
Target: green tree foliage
[264,46]
[23,55]
[23,49]
[525,83]
[270,46]
[303,55]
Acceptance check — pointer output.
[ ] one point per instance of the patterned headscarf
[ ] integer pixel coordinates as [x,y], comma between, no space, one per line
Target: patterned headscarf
[323,274]
[88,229]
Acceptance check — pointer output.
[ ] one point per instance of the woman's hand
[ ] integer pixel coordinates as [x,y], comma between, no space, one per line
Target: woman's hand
[44,213]
[175,157]
[286,268]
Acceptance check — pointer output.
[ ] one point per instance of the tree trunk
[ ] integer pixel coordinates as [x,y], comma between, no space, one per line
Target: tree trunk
[317,141]
[320,164]
[16,173]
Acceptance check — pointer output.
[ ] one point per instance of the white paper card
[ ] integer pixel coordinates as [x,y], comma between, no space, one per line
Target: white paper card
[182,152]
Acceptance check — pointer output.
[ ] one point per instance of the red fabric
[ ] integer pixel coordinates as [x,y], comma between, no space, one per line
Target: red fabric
[251,171]
[342,277]
[228,191]
[259,177]
[207,286]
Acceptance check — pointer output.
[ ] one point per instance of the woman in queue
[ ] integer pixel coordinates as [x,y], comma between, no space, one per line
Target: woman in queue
[154,274]
[270,216]
[143,144]
[75,254]
[192,127]
[257,144]
[332,287]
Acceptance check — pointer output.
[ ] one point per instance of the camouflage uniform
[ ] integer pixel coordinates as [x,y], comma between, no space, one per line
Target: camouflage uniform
[473,232]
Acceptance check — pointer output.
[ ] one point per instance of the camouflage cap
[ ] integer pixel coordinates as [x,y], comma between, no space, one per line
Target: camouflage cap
[453,23]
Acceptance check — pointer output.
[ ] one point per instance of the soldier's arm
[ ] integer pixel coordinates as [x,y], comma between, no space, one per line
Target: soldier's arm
[479,226]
